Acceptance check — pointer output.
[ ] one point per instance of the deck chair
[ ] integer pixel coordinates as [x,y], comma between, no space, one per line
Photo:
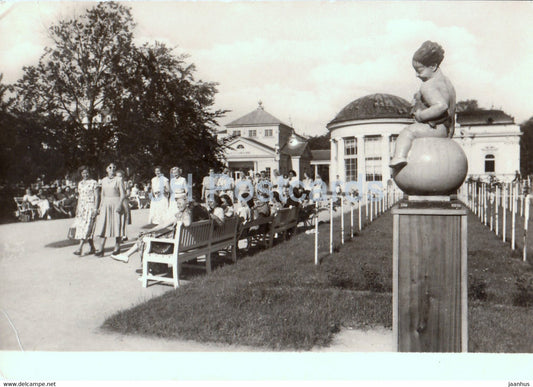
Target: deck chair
[25,211]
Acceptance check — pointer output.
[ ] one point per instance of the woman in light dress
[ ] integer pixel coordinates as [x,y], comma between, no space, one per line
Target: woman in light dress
[86,211]
[109,220]
[178,186]
[159,196]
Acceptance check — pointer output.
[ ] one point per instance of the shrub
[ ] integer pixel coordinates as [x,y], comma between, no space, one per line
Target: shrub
[524,294]
[477,289]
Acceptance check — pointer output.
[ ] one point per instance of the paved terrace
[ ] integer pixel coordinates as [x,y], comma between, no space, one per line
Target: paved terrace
[57,301]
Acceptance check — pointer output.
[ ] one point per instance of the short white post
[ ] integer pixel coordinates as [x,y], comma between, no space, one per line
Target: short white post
[479,199]
[366,207]
[371,207]
[342,220]
[491,206]
[331,226]
[521,195]
[504,213]
[359,205]
[526,221]
[351,218]
[316,232]
[497,209]
[513,220]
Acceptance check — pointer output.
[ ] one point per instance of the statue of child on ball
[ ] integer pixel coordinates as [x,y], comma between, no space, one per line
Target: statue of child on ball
[434,106]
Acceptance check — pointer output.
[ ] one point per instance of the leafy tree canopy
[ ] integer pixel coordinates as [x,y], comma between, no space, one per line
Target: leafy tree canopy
[97,97]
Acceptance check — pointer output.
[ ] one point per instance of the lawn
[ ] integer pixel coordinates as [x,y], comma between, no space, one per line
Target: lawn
[278,299]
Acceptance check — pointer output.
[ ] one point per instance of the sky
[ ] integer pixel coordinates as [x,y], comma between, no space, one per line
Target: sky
[306,60]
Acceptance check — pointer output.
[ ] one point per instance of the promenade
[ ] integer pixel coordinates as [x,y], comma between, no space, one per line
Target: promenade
[57,301]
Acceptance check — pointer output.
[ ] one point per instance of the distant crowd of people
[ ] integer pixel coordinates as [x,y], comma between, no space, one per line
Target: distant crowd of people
[52,202]
[104,207]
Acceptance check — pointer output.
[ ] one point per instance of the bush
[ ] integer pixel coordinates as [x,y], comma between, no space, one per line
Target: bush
[524,294]
[477,289]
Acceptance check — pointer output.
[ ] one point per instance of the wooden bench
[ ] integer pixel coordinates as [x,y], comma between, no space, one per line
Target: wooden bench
[284,224]
[256,230]
[200,238]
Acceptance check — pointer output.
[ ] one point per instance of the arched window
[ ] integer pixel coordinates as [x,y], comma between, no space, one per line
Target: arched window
[490,163]
[240,146]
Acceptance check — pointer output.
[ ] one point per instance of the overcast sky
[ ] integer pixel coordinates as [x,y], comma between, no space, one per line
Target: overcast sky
[306,60]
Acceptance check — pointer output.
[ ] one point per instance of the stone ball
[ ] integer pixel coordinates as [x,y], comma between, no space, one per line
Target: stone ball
[435,166]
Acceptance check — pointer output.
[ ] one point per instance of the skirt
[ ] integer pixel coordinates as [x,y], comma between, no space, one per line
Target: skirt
[109,221]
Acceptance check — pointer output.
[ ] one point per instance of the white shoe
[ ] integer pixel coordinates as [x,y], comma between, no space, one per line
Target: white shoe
[121,257]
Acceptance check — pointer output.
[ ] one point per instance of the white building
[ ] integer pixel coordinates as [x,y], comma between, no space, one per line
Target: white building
[491,141]
[364,133]
[262,142]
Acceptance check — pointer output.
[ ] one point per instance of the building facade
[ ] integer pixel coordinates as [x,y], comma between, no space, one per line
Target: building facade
[491,141]
[258,141]
[364,133]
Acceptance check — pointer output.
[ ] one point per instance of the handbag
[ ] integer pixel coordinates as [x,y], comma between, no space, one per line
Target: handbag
[71,232]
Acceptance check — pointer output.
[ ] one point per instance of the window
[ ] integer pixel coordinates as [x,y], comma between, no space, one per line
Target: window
[373,158]
[350,146]
[392,145]
[252,133]
[350,158]
[267,171]
[490,163]
[240,146]
[350,166]
[236,132]
[269,132]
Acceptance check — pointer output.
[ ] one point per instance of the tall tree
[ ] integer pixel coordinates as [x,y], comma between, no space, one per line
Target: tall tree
[320,142]
[467,105]
[75,78]
[526,147]
[166,115]
[104,98]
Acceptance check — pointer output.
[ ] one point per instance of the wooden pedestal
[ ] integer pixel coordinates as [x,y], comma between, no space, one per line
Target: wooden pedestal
[430,277]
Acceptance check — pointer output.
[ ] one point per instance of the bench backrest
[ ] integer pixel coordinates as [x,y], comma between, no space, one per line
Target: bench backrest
[227,231]
[282,216]
[195,236]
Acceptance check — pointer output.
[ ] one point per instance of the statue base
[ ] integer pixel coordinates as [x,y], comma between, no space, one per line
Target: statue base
[430,276]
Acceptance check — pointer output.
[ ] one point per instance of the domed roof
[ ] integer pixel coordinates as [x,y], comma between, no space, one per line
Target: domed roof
[374,106]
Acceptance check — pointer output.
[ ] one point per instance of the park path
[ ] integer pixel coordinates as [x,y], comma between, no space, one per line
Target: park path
[56,301]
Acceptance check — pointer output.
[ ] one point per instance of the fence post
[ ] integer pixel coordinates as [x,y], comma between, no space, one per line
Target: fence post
[526,221]
[504,212]
[331,225]
[371,208]
[342,220]
[497,209]
[316,232]
[513,221]
[359,204]
[351,219]
[491,201]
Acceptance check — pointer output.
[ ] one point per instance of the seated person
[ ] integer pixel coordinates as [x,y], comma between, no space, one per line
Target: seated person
[182,216]
[261,206]
[40,201]
[216,212]
[244,212]
[71,201]
[275,203]
[227,206]
[58,199]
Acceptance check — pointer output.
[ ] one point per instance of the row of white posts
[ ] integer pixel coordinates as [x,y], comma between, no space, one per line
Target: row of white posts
[486,202]
[374,203]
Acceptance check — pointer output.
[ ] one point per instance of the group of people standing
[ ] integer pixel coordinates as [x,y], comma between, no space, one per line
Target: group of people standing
[102,211]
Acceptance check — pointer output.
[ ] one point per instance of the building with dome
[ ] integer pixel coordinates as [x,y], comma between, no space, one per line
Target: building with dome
[364,133]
